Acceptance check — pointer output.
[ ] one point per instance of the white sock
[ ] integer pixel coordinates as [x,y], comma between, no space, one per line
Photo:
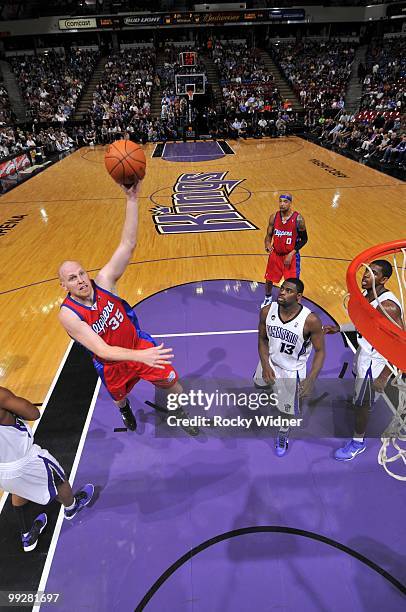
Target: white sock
[358,438]
[72,506]
[284,430]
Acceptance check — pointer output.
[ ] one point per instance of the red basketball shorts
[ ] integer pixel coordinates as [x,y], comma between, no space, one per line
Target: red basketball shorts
[120,377]
[276,268]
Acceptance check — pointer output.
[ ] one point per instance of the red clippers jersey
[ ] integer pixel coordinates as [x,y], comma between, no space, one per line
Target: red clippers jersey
[284,234]
[110,317]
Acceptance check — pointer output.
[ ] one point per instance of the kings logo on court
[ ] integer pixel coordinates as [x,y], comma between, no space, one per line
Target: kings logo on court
[201,203]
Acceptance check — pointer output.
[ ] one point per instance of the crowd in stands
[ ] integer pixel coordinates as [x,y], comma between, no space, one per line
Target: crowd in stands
[247,85]
[378,138]
[124,92]
[14,140]
[318,71]
[51,83]
[255,125]
[6,113]
[251,107]
[384,76]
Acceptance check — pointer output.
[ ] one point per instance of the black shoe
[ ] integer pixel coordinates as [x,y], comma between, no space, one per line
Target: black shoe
[82,498]
[190,429]
[31,539]
[128,417]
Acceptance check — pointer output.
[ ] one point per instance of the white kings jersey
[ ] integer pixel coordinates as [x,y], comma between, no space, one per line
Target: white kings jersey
[288,348]
[364,345]
[15,443]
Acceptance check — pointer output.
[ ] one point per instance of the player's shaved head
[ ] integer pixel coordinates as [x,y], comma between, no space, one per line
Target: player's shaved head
[75,280]
[66,267]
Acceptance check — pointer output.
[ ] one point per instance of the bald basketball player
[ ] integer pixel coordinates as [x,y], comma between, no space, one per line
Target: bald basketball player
[285,236]
[93,315]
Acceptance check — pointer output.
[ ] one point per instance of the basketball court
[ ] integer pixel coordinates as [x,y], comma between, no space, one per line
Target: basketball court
[216,522]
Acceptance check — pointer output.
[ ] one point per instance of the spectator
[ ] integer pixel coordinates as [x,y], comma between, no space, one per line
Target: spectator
[385,80]
[6,114]
[247,85]
[51,84]
[395,149]
[318,71]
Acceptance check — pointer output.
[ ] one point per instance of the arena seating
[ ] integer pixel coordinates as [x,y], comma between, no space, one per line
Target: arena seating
[52,83]
[318,71]
[6,114]
[247,85]
[370,137]
[123,94]
[384,84]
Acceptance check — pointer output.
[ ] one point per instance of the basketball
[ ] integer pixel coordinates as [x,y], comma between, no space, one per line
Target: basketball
[125,162]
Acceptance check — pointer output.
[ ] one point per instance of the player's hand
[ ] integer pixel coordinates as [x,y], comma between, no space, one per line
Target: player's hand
[331,329]
[157,356]
[288,259]
[268,247]
[133,191]
[306,387]
[268,375]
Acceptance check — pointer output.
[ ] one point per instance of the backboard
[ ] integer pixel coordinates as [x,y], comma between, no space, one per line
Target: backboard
[185,82]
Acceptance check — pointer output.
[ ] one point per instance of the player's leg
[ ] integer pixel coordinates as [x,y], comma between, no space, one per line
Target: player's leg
[119,378]
[273,274]
[127,414]
[123,380]
[73,503]
[29,536]
[293,270]
[363,399]
[287,388]
[59,488]
[174,390]
[29,533]
[268,293]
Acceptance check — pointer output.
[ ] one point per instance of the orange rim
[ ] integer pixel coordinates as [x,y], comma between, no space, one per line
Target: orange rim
[385,337]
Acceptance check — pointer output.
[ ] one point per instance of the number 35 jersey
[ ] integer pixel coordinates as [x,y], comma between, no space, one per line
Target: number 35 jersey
[111,318]
[288,347]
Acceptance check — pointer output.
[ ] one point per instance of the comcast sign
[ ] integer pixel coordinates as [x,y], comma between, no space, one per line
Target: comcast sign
[77,23]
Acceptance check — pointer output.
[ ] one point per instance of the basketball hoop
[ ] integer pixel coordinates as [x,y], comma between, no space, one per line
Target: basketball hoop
[190,93]
[388,339]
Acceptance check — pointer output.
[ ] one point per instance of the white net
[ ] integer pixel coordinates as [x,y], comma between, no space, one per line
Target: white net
[393,448]
[394,437]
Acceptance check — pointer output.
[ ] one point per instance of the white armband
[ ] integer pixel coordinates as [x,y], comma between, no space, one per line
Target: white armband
[347,327]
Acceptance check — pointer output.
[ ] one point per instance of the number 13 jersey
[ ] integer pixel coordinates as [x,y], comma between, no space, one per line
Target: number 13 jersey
[288,348]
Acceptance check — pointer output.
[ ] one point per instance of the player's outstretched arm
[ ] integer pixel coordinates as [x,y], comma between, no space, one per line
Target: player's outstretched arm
[314,329]
[335,329]
[156,356]
[10,403]
[115,268]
